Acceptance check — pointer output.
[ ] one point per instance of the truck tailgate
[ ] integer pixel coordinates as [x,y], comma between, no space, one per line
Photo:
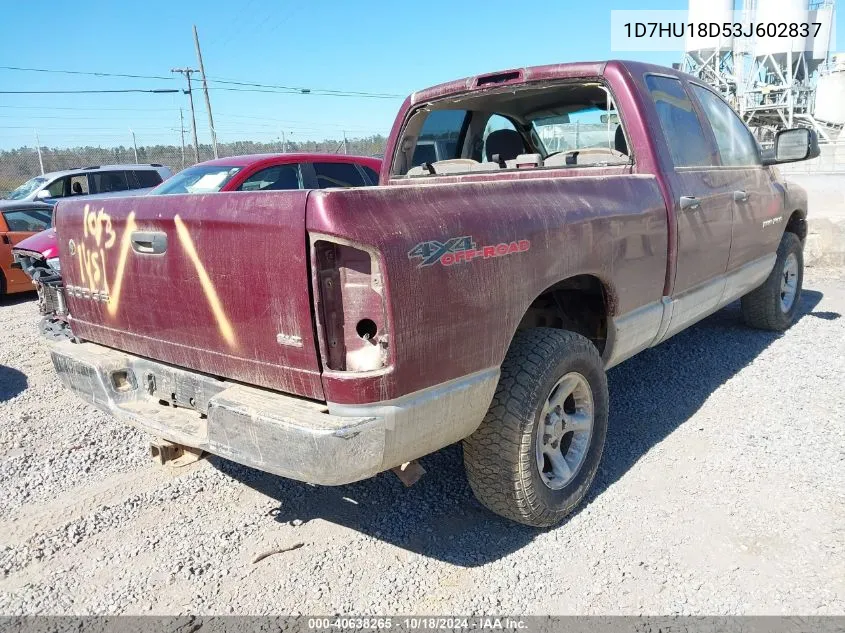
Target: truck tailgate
[217,283]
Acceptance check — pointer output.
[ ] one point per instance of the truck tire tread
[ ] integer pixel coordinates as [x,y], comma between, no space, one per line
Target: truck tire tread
[761,307]
[499,456]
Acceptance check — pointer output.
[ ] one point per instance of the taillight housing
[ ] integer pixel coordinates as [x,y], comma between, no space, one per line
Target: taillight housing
[352,319]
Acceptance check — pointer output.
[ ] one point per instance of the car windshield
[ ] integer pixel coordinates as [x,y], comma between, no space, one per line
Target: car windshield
[26,188]
[197,179]
[581,128]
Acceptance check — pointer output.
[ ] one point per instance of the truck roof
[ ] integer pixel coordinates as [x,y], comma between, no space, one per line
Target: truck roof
[295,157]
[517,76]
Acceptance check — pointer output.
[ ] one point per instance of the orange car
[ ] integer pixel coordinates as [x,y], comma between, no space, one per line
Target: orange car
[19,220]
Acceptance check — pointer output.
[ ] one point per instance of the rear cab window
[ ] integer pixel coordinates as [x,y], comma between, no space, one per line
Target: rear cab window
[572,123]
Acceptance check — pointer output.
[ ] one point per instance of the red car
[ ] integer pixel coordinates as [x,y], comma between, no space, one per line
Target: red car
[38,254]
[273,172]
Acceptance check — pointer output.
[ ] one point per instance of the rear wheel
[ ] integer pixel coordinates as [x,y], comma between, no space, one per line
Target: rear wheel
[536,453]
[773,305]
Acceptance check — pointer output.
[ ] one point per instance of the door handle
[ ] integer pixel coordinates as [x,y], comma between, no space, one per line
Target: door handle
[740,196]
[149,242]
[690,203]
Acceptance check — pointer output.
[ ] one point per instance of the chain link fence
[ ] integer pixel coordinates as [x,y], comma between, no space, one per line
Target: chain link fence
[19,165]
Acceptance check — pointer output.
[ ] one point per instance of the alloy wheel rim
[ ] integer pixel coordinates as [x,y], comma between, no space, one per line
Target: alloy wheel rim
[564,430]
[789,283]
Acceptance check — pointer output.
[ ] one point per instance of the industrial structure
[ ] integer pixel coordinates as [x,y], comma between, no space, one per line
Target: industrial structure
[774,82]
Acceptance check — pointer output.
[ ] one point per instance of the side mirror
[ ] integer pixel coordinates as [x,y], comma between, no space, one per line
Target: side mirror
[42,195]
[793,145]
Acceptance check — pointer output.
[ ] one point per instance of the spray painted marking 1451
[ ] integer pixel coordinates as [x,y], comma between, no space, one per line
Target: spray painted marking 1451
[462,249]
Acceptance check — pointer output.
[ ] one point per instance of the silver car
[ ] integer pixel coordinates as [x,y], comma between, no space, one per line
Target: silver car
[96,181]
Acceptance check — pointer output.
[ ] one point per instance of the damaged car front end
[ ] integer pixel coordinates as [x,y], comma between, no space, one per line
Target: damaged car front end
[38,257]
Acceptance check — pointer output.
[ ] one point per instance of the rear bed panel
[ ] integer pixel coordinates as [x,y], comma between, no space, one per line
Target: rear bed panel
[455,316]
[229,296]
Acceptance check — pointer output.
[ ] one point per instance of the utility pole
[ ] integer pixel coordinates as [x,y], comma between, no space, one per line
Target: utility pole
[182,133]
[205,91]
[38,147]
[187,72]
[134,145]
[345,148]
[284,143]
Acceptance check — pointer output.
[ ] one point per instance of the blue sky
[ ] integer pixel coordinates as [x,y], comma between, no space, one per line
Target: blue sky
[379,46]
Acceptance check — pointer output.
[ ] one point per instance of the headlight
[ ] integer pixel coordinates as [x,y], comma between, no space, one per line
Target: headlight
[55,264]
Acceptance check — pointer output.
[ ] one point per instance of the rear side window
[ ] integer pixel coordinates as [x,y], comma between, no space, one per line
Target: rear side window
[147,178]
[371,174]
[439,136]
[681,127]
[108,181]
[274,178]
[737,146]
[79,185]
[27,220]
[338,175]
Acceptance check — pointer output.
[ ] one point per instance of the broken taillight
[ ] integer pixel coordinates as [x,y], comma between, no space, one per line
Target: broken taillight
[352,324]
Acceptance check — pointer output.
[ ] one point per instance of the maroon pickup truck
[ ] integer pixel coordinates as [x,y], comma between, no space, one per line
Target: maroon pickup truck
[531,229]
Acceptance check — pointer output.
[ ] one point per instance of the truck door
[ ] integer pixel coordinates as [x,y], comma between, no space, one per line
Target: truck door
[757,197]
[704,200]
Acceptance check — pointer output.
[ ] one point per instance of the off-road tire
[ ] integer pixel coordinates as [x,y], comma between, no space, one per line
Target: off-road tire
[2,284]
[761,308]
[500,456]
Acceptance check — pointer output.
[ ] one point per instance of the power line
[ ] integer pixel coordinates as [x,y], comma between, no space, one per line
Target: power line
[306,91]
[93,109]
[219,80]
[66,92]
[321,91]
[88,73]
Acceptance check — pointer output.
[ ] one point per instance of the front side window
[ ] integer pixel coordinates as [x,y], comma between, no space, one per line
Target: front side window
[197,179]
[737,146]
[276,178]
[27,220]
[682,130]
[57,188]
[338,175]
[27,188]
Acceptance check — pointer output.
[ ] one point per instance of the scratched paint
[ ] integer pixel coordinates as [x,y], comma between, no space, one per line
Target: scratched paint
[98,238]
[223,323]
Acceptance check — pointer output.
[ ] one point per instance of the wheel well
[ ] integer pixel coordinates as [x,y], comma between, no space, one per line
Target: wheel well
[578,304]
[797,224]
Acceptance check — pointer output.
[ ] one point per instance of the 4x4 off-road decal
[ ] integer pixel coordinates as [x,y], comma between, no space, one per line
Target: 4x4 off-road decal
[462,249]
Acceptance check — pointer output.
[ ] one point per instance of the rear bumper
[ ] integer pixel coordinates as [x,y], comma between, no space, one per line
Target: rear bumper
[267,430]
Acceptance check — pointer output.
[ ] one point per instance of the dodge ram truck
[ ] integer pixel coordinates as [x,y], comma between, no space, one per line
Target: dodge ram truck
[573,215]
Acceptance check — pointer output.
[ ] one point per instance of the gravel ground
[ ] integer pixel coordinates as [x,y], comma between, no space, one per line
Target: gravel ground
[722,491]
